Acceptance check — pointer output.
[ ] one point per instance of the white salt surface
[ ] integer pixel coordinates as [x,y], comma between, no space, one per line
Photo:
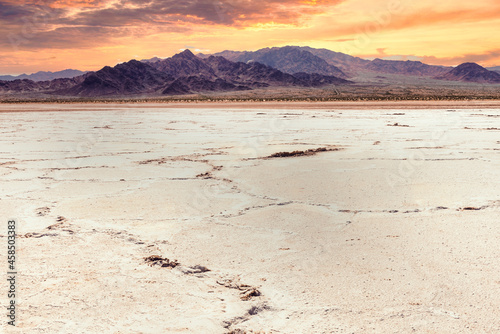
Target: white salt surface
[372,238]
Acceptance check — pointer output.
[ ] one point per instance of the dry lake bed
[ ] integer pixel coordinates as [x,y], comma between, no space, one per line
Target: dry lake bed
[220,219]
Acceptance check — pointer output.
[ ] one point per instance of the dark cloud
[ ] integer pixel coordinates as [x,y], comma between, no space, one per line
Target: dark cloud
[37,25]
[130,12]
[17,18]
[55,24]
[20,24]
[63,3]
[9,12]
[235,13]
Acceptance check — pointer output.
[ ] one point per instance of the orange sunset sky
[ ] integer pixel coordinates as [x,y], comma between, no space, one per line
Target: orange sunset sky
[89,34]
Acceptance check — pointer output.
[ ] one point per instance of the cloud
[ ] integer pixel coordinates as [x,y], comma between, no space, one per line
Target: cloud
[82,37]
[387,20]
[130,12]
[356,27]
[340,40]
[451,17]
[74,24]
[10,12]
[223,12]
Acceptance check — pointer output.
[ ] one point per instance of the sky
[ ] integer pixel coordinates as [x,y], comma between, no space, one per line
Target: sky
[52,35]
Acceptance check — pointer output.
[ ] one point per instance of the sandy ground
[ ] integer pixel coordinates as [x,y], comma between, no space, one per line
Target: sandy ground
[358,105]
[394,229]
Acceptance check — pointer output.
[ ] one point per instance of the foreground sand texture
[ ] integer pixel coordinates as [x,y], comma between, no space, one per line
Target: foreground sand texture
[393,229]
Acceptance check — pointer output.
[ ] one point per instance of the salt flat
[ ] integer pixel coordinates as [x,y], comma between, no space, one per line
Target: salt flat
[393,229]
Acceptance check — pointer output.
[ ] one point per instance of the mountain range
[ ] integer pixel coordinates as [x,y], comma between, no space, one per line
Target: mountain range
[44,76]
[186,73]
[293,59]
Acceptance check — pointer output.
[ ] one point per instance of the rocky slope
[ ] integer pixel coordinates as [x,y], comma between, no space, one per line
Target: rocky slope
[347,63]
[289,59]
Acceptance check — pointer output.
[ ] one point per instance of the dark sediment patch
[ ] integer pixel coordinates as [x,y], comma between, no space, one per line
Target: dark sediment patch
[426,147]
[206,175]
[472,208]
[302,153]
[157,260]
[247,292]
[397,124]
[487,129]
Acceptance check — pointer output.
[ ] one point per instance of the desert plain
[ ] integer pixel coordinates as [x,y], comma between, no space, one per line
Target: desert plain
[262,218]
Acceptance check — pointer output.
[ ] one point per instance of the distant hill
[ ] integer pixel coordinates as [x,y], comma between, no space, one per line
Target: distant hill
[30,86]
[44,76]
[288,59]
[408,67]
[151,60]
[495,68]
[471,72]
